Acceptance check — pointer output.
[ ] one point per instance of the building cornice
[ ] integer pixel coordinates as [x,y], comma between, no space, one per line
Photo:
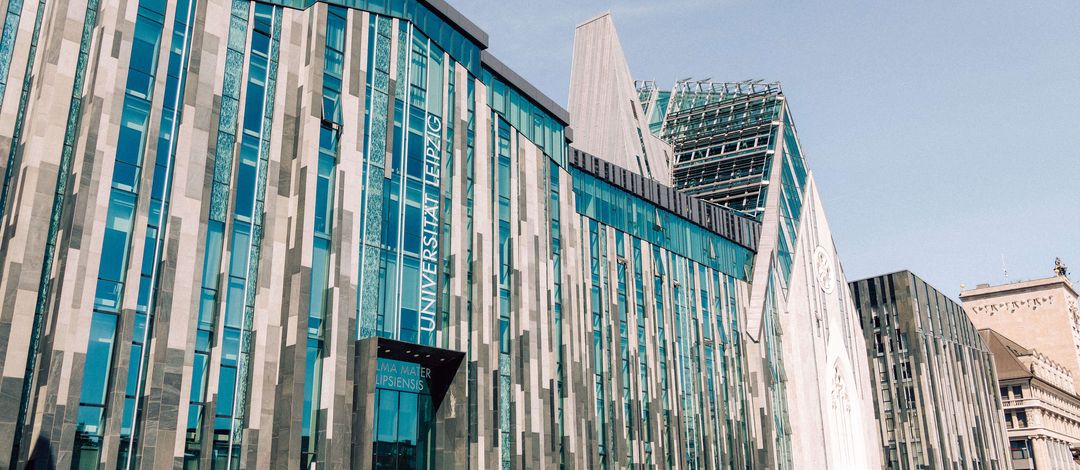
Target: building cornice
[1034,284]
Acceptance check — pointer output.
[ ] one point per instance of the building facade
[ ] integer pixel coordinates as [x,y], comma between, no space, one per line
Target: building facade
[341,234]
[800,325]
[935,391]
[1040,313]
[1042,413]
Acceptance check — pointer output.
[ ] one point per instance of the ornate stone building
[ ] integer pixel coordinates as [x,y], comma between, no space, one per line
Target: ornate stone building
[1036,329]
[1042,413]
[1040,313]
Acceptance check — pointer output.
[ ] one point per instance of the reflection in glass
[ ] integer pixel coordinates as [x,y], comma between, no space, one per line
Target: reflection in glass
[404,430]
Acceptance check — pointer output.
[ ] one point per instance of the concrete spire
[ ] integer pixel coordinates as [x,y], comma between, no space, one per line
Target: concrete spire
[604,108]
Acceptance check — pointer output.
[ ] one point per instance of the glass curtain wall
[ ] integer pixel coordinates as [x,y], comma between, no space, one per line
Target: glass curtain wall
[106,318]
[693,337]
[401,227]
[231,331]
[155,229]
[404,423]
[319,304]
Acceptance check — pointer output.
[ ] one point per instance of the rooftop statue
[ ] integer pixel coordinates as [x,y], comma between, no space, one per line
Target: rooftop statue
[1060,269]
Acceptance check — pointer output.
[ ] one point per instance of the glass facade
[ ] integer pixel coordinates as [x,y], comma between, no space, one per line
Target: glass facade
[404,415]
[119,229]
[724,137]
[402,197]
[329,173]
[692,334]
[501,196]
[149,271]
[319,307]
[223,336]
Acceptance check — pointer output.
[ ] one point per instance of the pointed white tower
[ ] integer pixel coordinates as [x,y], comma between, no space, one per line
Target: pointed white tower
[604,107]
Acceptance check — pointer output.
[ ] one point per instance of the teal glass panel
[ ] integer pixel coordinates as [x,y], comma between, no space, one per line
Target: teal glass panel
[118,227]
[320,267]
[98,358]
[448,36]
[212,262]
[312,371]
[532,120]
[603,202]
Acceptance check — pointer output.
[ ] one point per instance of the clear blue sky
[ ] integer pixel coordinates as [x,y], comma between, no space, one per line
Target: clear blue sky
[942,135]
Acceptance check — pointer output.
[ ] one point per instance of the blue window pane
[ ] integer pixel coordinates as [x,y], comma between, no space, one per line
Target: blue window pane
[391,200]
[202,341]
[128,417]
[158,189]
[149,249]
[504,335]
[194,417]
[410,282]
[118,226]
[263,18]
[311,373]
[139,328]
[245,180]
[253,107]
[504,252]
[320,260]
[132,130]
[328,140]
[413,229]
[249,150]
[395,163]
[415,164]
[199,375]
[331,104]
[152,8]
[133,370]
[407,408]
[234,303]
[504,208]
[241,242]
[335,32]
[207,304]
[98,357]
[89,419]
[107,295]
[387,419]
[335,62]
[230,346]
[225,391]
[409,328]
[125,176]
[260,42]
[323,195]
[139,82]
[389,294]
[172,91]
[143,58]
[215,235]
